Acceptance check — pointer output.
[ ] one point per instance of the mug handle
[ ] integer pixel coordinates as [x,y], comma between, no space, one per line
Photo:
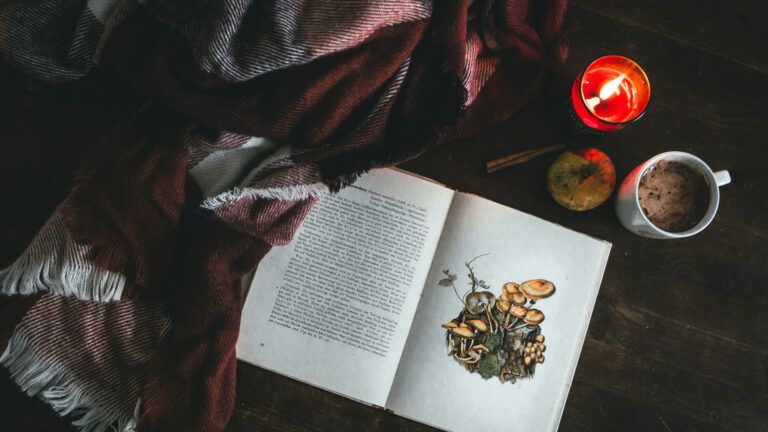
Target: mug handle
[722,178]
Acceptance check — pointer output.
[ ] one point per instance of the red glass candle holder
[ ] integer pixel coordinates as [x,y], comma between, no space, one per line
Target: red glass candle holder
[610,93]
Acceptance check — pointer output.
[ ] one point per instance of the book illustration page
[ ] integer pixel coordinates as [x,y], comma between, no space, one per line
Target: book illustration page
[334,307]
[498,332]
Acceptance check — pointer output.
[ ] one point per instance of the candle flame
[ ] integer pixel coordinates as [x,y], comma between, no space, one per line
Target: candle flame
[606,91]
[592,102]
[611,87]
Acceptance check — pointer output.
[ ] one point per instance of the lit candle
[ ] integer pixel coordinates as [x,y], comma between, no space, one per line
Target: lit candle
[611,92]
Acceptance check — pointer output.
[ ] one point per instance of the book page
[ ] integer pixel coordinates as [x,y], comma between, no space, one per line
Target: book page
[334,307]
[463,391]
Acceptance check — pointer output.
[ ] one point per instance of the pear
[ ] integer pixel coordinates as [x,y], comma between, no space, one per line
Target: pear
[581,179]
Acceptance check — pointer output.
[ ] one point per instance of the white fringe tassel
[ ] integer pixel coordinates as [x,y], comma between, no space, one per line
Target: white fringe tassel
[292,193]
[40,377]
[56,264]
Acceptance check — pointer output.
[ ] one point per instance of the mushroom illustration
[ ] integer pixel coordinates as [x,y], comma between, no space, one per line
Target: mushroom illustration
[468,352]
[510,288]
[517,298]
[516,313]
[485,315]
[462,332]
[502,306]
[533,316]
[478,324]
[476,302]
[536,289]
[519,311]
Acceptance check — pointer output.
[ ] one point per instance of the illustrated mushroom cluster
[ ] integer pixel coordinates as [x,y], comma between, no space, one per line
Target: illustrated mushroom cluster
[498,336]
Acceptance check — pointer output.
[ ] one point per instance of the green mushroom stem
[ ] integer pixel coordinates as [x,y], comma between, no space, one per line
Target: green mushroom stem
[509,325]
[493,325]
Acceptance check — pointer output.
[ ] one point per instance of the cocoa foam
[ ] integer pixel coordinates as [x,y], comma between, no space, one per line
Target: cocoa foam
[673,196]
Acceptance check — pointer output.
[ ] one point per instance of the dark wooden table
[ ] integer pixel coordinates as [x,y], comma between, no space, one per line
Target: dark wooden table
[679,336]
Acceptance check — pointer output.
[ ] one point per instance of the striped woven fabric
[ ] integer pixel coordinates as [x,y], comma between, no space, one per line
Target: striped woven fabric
[127,302]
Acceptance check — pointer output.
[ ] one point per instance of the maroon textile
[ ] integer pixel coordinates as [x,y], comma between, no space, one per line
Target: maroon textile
[198,365]
[127,209]
[148,219]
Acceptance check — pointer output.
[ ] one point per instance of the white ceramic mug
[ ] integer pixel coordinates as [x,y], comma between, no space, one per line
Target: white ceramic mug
[628,205]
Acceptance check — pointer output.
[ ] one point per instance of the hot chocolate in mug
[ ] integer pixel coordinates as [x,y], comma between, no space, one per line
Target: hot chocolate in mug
[634,218]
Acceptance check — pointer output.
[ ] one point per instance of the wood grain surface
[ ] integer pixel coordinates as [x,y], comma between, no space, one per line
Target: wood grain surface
[679,336]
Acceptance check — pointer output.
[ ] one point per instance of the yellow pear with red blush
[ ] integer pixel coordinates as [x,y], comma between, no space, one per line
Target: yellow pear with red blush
[581,179]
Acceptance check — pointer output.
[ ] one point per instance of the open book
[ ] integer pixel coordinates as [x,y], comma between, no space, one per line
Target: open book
[441,306]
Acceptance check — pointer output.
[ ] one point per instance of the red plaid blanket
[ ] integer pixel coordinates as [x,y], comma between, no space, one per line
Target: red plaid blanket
[124,310]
